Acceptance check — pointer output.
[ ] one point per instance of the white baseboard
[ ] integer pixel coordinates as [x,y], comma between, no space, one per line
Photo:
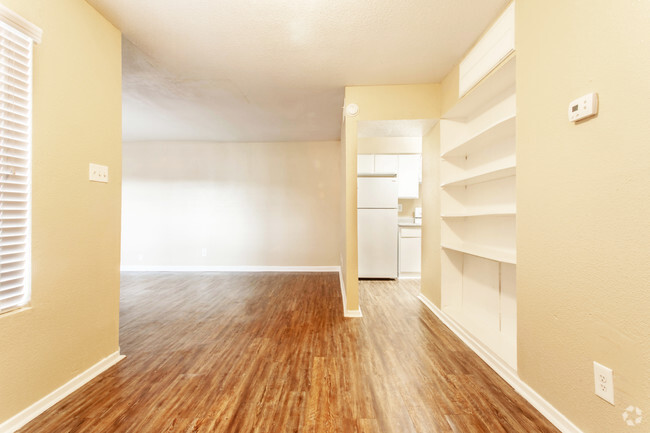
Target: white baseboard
[346,312]
[503,370]
[352,313]
[409,276]
[19,420]
[343,295]
[147,268]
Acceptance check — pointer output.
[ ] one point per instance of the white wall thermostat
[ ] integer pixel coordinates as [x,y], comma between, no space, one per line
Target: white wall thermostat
[583,107]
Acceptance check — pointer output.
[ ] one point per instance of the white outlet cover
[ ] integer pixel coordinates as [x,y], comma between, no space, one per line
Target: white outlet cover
[604,382]
[97,173]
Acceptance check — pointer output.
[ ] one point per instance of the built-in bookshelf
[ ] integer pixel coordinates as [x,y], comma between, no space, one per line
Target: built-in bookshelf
[478,209]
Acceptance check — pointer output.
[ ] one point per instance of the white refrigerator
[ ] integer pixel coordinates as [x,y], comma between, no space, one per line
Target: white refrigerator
[377,226]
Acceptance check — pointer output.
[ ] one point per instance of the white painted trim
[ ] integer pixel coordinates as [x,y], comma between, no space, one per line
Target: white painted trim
[146,268]
[409,276]
[503,370]
[343,294]
[353,313]
[21,24]
[346,312]
[19,420]
[494,46]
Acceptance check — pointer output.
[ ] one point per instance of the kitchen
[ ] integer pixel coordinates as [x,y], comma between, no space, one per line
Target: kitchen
[389,207]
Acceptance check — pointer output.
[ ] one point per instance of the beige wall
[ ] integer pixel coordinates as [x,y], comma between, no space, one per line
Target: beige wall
[73,320]
[367,145]
[430,193]
[583,232]
[400,102]
[247,204]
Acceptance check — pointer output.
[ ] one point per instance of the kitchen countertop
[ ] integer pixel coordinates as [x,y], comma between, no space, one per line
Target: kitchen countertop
[408,222]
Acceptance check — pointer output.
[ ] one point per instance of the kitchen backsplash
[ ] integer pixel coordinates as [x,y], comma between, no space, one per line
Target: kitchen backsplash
[409,205]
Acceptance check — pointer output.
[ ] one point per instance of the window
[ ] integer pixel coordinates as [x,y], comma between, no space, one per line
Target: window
[16,49]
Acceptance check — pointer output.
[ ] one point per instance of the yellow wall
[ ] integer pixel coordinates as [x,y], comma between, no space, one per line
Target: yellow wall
[73,320]
[247,204]
[343,217]
[583,198]
[349,252]
[430,193]
[400,102]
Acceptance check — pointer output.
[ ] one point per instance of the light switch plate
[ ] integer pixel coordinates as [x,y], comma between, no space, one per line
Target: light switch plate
[98,173]
[583,107]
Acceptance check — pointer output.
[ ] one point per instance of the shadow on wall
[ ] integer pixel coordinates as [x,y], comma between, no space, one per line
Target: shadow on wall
[230,204]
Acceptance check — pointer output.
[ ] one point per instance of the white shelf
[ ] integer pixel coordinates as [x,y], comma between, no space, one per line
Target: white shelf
[484,252]
[482,213]
[499,81]
[499,131]
[483,176]
[376,175]
[478,211]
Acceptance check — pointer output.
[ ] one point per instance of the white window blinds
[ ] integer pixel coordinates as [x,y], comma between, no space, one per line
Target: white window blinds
[15,166]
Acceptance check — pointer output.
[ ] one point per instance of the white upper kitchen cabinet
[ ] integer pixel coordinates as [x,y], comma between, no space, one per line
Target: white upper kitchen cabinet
[377,164]
[365,164]
[408,175]
[386,164]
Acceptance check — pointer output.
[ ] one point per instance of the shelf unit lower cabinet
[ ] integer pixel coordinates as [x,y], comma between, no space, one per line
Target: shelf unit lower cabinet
[480,295]
[478,209]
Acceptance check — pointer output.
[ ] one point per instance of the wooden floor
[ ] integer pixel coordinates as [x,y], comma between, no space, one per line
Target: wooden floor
[269,352]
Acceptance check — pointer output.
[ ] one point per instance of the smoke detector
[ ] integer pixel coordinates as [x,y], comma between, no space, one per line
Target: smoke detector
[352,110]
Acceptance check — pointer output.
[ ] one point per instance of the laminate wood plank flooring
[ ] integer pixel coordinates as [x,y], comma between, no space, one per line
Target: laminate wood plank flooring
[272,352]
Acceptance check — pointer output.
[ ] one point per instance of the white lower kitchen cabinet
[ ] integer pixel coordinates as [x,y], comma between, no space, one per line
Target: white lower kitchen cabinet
[410,251]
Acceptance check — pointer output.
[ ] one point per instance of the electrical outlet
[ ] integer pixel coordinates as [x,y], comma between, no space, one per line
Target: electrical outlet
[97,173]
[604,382]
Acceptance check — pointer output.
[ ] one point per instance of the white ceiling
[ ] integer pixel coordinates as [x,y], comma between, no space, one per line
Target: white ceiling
[274,70]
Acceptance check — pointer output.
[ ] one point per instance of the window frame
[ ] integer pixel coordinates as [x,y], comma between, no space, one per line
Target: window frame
[23,31]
